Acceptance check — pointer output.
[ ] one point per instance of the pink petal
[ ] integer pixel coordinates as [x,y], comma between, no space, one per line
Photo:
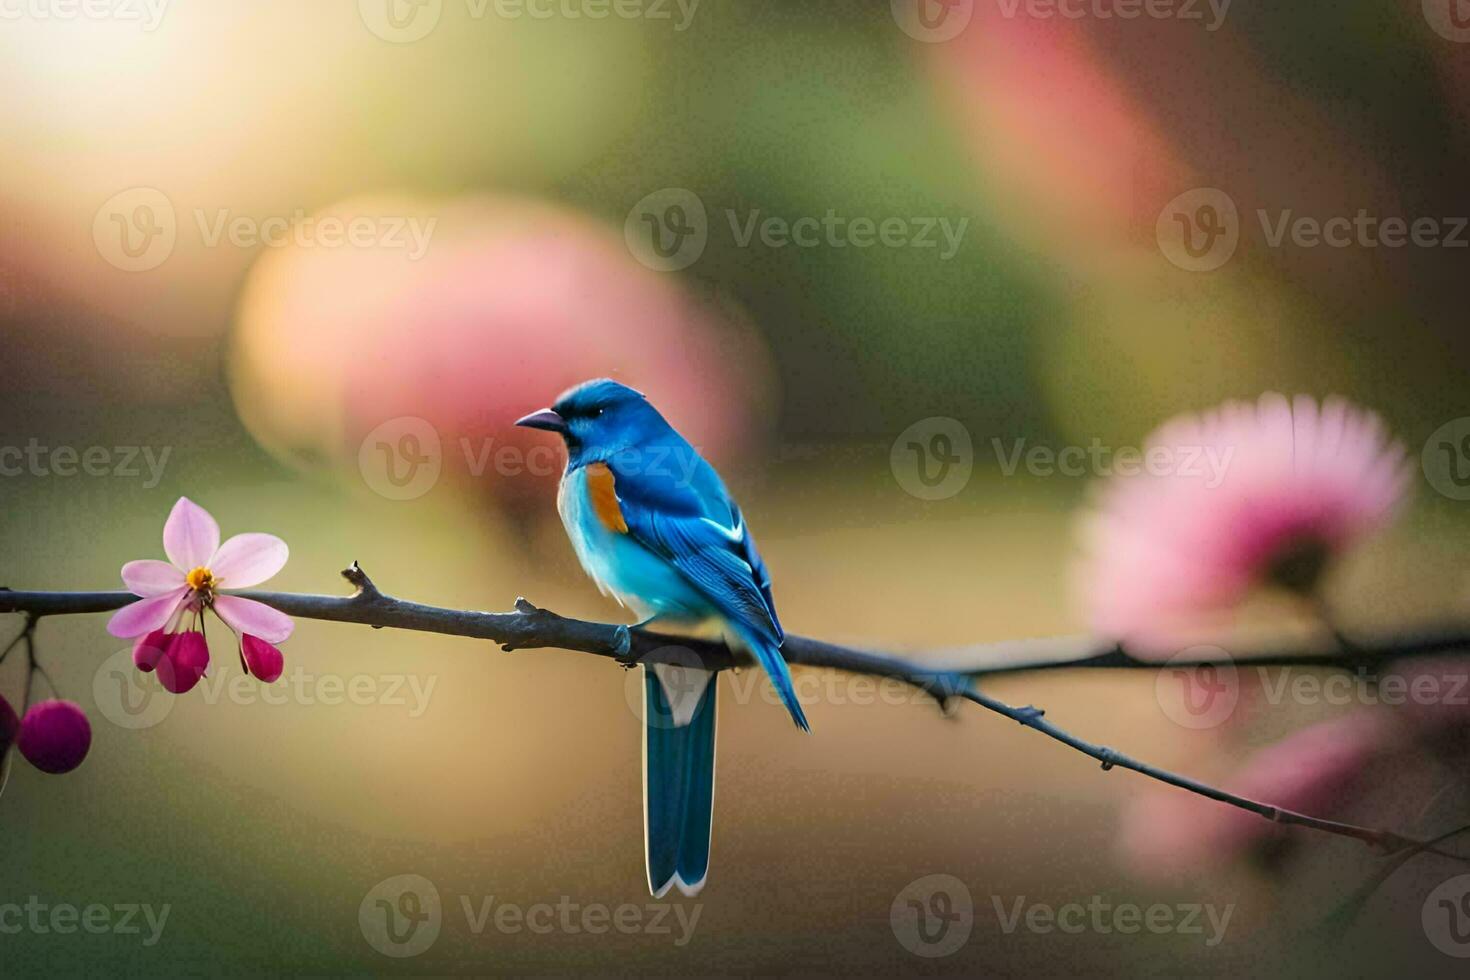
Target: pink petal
[261,659]
[190,535]
[150,577]
[249,616]
[145,615]
[184,662]
[248,559]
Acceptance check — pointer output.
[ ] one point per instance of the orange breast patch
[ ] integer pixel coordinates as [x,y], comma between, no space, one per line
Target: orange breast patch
[604,498]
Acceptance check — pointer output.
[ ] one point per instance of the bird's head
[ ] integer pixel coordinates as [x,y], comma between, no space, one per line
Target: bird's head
[602,417]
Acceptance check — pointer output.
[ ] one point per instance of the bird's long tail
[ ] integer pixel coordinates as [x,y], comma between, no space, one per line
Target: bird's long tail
[678,775]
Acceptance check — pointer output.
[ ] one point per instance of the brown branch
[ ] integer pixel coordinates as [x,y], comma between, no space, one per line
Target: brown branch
[530,627]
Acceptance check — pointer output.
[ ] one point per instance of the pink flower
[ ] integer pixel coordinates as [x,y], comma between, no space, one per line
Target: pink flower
[1244,496]
[187,585]
[1314,770]
[55,736]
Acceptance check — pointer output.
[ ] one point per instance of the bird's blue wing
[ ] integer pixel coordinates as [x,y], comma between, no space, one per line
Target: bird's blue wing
[685,516]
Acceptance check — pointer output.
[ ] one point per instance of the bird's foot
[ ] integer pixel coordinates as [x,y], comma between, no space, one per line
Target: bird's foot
[623,648]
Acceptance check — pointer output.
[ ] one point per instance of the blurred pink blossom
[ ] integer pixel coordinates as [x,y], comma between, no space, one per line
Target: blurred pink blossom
[1165,831]
[1244,496]
[342,356]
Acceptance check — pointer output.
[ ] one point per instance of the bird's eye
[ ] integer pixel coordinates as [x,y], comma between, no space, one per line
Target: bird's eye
[597,414]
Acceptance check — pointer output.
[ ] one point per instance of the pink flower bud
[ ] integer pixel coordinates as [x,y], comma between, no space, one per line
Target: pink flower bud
[9,726]
[261,659]
[55,736]
[150,649]
[184,661]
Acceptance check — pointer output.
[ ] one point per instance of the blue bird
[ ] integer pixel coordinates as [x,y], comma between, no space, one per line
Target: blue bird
[654,526]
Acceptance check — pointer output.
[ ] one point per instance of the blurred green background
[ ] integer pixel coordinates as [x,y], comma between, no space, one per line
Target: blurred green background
[527,148]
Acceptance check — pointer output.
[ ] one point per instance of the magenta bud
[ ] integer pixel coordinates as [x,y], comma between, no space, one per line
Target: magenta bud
[261,659]
[9,726]
[184,662]
[149,649]
[55,736]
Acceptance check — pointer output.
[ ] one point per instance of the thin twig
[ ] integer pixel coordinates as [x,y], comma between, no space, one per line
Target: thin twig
[530,627]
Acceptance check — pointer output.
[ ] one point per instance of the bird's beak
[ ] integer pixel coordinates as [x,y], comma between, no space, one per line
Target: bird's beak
[544,419]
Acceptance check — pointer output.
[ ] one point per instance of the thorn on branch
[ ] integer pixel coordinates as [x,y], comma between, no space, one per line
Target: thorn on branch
[1029,714]
[525,606]
[1109,758]
[366,590]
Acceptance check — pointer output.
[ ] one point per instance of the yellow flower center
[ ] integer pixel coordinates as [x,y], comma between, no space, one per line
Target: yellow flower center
[200,579]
